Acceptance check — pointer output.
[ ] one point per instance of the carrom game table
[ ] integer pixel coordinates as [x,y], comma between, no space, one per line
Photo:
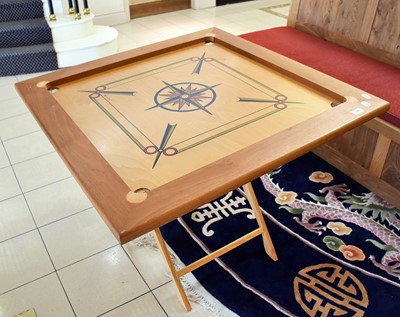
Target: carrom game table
[156,132]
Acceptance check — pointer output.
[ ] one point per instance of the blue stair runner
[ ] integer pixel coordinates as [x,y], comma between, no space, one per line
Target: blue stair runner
[13,10]
[26,44]
[24,33]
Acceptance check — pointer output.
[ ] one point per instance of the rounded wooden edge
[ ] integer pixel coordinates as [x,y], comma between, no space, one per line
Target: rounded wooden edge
[137,196]
[42,84]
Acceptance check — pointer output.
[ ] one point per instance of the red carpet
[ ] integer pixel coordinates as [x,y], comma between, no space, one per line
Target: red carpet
[379,79]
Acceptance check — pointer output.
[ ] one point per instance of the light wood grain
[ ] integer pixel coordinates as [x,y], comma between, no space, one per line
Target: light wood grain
[174,273]
[261,230]
[380,186]
[391,170]
[267,241]
[368,27]
[380,155]
[108,190]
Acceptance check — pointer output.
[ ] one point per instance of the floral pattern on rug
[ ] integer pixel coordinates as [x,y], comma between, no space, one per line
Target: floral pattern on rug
[336,242]
[332,214]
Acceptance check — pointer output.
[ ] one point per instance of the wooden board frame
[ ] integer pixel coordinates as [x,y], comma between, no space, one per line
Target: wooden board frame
[107,190]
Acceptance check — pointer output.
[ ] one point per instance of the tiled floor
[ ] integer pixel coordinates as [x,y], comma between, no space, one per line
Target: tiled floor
[56,254]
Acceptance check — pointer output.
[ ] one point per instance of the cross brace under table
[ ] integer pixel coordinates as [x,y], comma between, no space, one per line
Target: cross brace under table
[261,230]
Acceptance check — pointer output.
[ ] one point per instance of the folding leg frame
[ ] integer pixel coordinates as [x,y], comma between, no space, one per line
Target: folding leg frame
[261,230]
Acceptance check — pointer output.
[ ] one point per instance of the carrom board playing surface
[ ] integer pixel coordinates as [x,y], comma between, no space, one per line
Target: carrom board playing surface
[160,130]
[162,118]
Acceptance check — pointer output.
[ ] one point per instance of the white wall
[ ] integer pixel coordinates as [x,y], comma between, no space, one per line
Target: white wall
[109,12]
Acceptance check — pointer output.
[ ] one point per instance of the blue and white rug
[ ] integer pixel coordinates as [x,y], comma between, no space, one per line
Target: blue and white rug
[338,246]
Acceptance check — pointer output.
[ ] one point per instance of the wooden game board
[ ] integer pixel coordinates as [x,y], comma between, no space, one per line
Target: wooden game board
[153,133]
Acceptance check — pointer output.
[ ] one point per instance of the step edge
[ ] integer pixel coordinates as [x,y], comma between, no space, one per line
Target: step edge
[71,46]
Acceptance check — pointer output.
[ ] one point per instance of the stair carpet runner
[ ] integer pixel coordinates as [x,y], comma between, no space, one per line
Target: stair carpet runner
[26,44]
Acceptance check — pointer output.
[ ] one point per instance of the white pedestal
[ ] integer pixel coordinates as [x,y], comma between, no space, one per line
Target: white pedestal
[202,4]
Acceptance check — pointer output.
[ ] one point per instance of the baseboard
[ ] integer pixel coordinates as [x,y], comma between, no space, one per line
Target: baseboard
[157,7]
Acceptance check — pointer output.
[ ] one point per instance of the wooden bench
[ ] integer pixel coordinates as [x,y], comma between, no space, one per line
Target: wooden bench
[357,42]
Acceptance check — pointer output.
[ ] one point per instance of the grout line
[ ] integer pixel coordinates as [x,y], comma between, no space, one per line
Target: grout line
[65,292]
[25,134]
[87,257]
[31,190]
[151,289]
[271,11]
[123,304]
[54,267]
[130,259]
[66,217]
[24,284]
[15,115]
[33,158]
[49,184]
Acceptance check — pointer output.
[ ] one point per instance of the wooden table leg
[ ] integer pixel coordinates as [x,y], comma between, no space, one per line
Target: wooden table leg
[175,277]
[261,230]
[251,197]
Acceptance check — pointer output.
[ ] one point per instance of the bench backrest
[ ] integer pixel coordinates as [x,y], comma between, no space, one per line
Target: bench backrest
[371,27]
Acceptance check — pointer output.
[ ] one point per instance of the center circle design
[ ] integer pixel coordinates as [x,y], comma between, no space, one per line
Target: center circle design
[185,97]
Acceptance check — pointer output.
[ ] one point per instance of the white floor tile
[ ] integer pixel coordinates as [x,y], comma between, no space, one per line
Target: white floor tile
[56,201]
[23,259]
[12,107]
[146,306]
[171,31]
[276,21]
[28,146]
[255,25]
[45,295]
[8,80]
[256,14]
[234,28]
[150,264]
[7,91]
[179,18]
[154,22]
[102,282]
[198,15]
[133,28]
[151,40]
[168,298]
[234,17]
[8,185]
[140,35]
[15,218]
[41,171]
[193,26]
[125,43]
[4,162]
[18,125]
[29,76]
[85,234]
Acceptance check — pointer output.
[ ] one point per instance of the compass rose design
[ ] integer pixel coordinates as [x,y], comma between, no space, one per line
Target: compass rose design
[185,97]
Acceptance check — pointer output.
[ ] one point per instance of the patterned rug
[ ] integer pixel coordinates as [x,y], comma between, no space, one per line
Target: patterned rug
[338,246]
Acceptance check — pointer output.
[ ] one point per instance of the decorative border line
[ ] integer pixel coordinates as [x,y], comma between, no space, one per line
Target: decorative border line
[270,10]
